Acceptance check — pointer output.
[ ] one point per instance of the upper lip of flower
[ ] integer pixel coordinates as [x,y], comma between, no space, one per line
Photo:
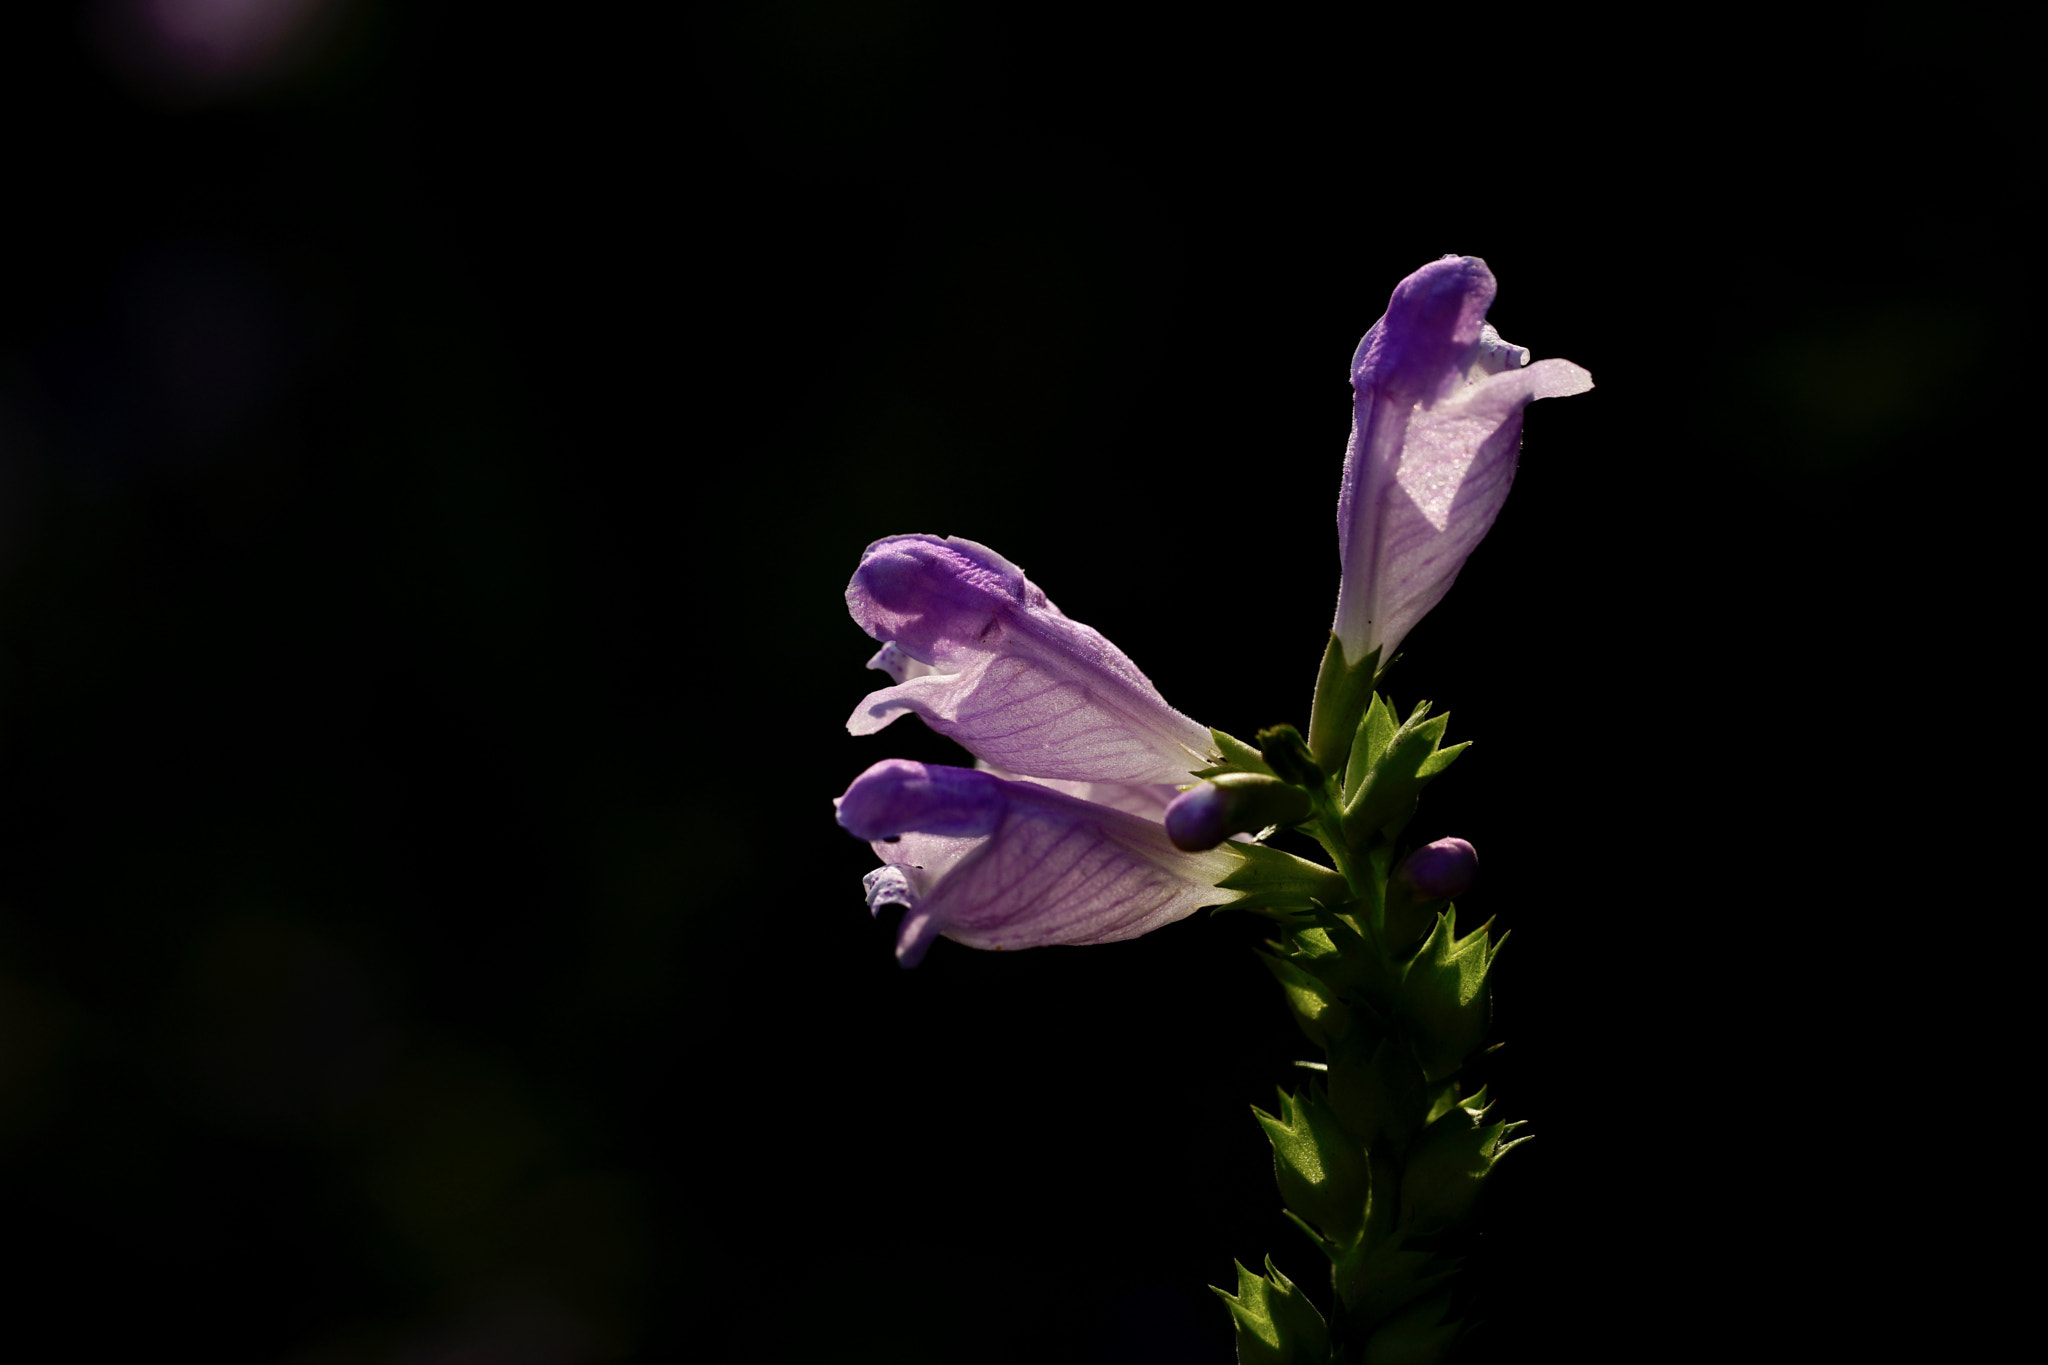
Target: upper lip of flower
[984,656]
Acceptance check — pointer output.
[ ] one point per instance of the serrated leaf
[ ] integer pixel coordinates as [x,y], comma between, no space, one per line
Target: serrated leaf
[1276,1324]
[1444,995]
[1251,1312]
[1446,1167]
[1376,730]
[1273,880]
[1301,1322]
[1386,791]
[1322,1170]
[1442,758]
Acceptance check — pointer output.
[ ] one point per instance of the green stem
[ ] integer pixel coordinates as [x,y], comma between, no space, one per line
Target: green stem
[1329,832]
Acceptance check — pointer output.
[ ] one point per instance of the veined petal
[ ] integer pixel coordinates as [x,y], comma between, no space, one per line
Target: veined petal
[1437,427]
[1050,869]
[986,659]
[1146,799]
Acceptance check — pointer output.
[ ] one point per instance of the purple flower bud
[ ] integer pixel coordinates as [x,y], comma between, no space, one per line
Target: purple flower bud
[980,653]
[1441,870]
[1436,428]
[995,863]
[1235,803]
[1199,817]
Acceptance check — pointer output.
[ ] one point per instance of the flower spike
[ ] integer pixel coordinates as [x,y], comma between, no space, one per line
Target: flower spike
[1080,825]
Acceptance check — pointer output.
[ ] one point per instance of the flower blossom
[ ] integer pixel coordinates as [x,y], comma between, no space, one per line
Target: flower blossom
[1058,838]
[1437,424]
[980,653]
[996,863]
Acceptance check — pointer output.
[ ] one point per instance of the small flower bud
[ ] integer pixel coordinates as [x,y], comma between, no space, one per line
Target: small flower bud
[1441,870]
[1197,818]
[1235,803]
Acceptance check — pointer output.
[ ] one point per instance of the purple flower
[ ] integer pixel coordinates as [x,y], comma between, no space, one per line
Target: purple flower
[978,651]
[1437,424]
[996,863]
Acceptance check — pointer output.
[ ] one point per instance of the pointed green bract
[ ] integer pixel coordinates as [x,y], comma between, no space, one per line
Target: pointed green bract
[1447,1166]
[1278,884]
[1444,995]
[1234,756]
[1276,1324]
[1323,1172]
[1384,794]
[1375,731]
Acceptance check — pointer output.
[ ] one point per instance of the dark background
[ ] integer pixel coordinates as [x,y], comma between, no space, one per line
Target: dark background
[431,457]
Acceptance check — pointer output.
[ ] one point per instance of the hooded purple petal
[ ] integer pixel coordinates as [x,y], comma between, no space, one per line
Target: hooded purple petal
[1049,869]
[1437,426]
[980,653]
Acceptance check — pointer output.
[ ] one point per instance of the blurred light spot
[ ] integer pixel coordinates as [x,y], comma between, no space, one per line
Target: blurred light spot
[211,49]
